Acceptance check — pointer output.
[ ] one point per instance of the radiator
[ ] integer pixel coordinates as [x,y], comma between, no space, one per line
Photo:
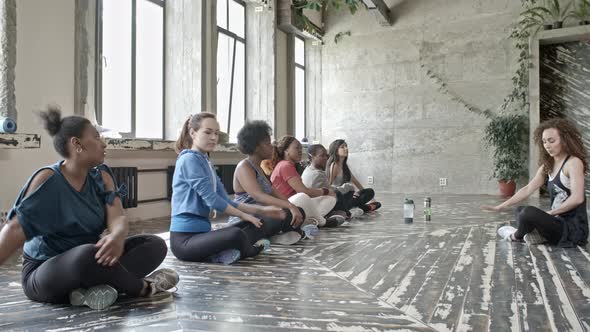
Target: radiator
[127,176]
[225,172]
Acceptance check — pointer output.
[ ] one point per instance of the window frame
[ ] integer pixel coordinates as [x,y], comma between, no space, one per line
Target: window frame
[236,39]
[99,65]
[296,66]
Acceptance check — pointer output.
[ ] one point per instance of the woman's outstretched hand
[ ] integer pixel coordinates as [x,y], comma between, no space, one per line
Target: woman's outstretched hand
[491,208]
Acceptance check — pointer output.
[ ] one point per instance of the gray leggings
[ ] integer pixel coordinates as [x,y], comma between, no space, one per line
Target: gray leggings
[53,280]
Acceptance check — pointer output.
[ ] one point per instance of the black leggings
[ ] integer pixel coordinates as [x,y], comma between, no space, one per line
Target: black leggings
[196,247]
[363,198]
[53,280]
[345,202]
[530,218]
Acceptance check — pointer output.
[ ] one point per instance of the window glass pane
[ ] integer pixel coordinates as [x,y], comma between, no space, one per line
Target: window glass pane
[299,51]
[238,113]
[236,18]
[222,13]
[299,103]
[225,48]
[149,70]
[116,65]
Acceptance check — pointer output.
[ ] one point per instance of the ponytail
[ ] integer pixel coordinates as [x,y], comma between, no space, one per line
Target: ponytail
[184,141]
[276,155]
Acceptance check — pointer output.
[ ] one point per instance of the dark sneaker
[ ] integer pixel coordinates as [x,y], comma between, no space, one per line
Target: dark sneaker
[262,243]
[371,206]
[162,280]
[334,221]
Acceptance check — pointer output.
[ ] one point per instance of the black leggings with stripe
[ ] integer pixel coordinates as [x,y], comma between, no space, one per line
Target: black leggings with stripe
[53,280]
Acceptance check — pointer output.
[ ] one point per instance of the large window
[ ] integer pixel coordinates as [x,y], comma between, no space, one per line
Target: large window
[299,85]
[130,67]
[231,66]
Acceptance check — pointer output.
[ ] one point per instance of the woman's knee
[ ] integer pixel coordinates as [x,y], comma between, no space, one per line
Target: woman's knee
[526,214]
[156,247]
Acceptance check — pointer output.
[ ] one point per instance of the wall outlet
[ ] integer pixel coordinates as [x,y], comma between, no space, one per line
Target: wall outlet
[442,182]
[258,9]
[370,180]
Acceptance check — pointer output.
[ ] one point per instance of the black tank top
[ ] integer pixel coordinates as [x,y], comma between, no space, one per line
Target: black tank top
[575,221]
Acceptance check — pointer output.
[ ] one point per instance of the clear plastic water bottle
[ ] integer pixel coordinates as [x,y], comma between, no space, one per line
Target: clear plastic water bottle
[408,211]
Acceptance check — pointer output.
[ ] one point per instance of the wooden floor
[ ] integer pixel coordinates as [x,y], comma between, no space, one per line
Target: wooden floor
[374,274]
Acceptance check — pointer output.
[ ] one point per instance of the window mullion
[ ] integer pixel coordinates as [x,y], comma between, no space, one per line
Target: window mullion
[231,86]
[133,65]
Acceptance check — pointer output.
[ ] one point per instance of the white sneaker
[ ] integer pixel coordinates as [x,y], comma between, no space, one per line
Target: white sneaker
[534,238]
[356,212]
[506,231]
[287,238]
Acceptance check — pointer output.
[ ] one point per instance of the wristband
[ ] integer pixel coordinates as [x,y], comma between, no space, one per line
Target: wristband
[325,191]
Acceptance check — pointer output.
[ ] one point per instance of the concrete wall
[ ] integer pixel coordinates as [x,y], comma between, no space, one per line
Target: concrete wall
[400,129]
[44,74]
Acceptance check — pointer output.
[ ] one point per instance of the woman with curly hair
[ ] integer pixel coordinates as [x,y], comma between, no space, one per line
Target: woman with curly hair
[252,186]
[562,160]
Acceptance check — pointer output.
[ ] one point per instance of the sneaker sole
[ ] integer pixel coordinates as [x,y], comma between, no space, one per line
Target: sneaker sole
[98,297]
[226,258]
[286,239]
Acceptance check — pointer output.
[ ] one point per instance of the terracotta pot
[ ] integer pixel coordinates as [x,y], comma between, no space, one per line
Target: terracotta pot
[507,189]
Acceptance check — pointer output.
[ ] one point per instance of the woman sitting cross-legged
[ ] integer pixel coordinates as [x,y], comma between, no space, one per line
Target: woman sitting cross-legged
[562,157]
[60,215]
[340,175]
[252,186]
[196,189]
[314,176]
[316,203]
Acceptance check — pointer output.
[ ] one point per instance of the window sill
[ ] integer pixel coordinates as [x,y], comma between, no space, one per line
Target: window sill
[20,141]
[138,144]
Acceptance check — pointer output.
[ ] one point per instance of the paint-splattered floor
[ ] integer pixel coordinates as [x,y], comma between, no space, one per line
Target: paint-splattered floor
[374,274]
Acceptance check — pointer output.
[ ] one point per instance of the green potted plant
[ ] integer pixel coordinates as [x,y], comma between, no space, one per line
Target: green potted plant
[507,134]
[581,12]
[552,13]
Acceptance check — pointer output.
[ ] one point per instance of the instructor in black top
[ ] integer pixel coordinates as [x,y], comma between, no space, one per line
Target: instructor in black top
[563,161]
